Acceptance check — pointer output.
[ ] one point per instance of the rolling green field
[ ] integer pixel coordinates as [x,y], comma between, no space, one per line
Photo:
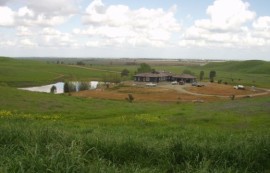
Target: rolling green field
[59,133]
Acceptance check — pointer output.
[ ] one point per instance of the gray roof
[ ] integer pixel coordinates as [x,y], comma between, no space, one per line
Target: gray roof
[184,76]
[154,74]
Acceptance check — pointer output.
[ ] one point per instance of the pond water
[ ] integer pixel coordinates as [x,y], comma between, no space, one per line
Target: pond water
[59,87]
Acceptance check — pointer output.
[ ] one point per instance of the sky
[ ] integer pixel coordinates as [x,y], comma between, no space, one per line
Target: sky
[194,29]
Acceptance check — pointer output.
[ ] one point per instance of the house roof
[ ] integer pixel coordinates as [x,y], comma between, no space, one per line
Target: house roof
[154,74]
[184,76]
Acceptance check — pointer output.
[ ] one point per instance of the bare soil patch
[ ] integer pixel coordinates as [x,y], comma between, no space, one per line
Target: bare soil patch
[142,94]
[222,90]
[165,92]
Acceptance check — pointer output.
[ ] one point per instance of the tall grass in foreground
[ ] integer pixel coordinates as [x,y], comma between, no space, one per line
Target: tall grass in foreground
[31,146]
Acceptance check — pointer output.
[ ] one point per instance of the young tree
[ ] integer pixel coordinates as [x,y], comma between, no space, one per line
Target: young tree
[130,98]
[83,86]
[66,87]
[124,72]
[53,89]
[186,71]
[212,75]
[69,87]
[201,75]
[144,68]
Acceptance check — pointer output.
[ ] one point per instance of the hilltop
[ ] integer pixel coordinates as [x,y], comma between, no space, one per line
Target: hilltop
[250,66]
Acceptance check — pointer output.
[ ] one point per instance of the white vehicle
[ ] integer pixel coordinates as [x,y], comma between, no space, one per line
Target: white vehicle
[239,87]
[174,83]
[151,84]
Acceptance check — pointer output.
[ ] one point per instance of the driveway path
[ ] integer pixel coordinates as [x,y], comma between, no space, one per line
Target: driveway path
[181,89]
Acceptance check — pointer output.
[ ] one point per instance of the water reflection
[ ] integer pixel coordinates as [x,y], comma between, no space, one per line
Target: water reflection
[59,87]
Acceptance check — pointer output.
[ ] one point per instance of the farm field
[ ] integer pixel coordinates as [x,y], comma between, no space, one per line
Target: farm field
[162,130]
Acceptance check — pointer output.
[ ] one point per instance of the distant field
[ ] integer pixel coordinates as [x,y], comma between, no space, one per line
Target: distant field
[14,72]
[61,133]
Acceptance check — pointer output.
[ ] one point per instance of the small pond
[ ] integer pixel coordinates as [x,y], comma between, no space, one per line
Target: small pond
[59,87]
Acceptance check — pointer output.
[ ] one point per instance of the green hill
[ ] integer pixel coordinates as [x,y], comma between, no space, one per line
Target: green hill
[251,66]
[22,72]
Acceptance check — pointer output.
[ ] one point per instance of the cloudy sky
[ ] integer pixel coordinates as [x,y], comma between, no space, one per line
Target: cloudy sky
[207,29]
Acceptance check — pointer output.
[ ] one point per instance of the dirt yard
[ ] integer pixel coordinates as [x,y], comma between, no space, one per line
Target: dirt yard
[221,90]
[168,93]
[140,94]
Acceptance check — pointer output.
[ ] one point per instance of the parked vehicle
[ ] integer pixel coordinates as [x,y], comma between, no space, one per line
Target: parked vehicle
[239,87]
[194,84]
[200,85]
[174,83]
[197,84]
[151,84]
[181,83]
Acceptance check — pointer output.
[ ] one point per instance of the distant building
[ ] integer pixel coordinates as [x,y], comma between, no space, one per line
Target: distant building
[186,78]
[157,76]
[161,76]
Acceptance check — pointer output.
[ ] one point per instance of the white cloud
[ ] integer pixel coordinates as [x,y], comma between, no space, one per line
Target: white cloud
[262,23]
[262,29]
[53,7]
[24,31]
[6,16]
[226,15]
[118,24]
[27,43]
[51,37]
[228,26]
[7,43]
[3,2]
[25,12]
[38,13]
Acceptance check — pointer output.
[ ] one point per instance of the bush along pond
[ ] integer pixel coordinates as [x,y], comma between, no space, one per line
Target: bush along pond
[62,87]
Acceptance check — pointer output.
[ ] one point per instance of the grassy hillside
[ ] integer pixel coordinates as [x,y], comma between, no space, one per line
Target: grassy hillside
[251,67]
[16,72]
[59,133]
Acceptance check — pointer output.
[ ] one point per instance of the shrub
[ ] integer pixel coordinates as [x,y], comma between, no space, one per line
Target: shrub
[130,98]
[53,89]
[84,86]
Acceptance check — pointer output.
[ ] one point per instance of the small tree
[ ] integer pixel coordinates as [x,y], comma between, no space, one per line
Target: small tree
[53,89]
[83,86]
[80,63]
[186,71]
[124,72]
[69,87]
[212,75]
[201,75]
[144,68]
[130,98]
[66,87]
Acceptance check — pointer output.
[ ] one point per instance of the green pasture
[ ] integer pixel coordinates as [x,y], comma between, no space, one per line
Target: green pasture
[60,133]
[19,73]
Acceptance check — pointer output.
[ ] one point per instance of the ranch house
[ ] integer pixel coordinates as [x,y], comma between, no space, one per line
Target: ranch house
[164,76]
[153,77]
[187,78]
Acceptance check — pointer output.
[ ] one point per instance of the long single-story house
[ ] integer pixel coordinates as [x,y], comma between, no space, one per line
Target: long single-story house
[153,77]
[187,78]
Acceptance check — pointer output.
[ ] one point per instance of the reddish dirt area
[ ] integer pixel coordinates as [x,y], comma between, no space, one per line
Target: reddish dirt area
[143,94]
[222,90]
[169,93]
